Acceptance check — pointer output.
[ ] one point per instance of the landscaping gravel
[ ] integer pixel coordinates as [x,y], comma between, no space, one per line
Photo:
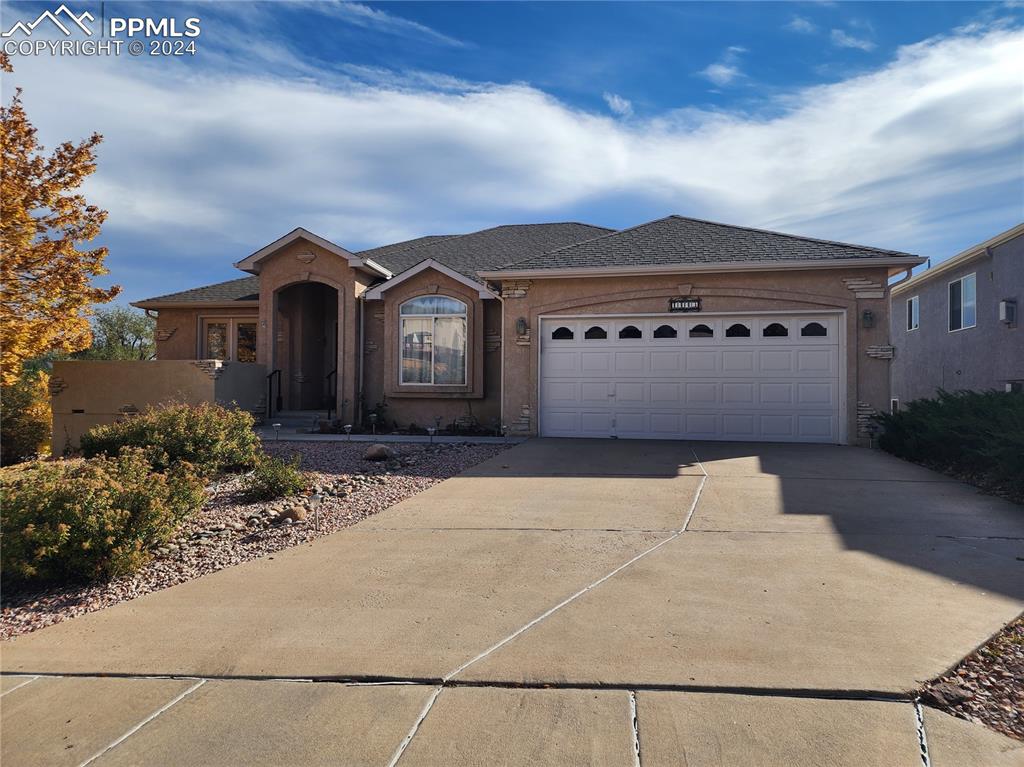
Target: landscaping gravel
[227,531]
[988,685]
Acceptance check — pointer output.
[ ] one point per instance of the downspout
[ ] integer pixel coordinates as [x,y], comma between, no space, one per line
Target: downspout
[358,409]
[501,369]
[907,273]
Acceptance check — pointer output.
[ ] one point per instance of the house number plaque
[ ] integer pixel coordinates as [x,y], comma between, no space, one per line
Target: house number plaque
[684,304]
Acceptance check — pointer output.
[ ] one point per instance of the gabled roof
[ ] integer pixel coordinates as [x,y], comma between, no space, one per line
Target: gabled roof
[384,252]
[677,241]
[231,293]
[469,253]
[252,263]
[377,292]
[977,251]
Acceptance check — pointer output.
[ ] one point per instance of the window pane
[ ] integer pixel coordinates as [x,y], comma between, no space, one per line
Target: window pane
[775,330]
[738,330]
[969,301]
[562,334]
[433,305]
[701,331]
[245,351]
[449,350]
[216,341]
[813,329]
[665,331]
[955,322]
[630,331]
[417,341]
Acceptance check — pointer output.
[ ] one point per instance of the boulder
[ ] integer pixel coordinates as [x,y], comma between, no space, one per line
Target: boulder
[945,694]
[378,452]
[294,514]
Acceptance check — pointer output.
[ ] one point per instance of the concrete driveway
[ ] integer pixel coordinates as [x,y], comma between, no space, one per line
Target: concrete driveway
[568,602]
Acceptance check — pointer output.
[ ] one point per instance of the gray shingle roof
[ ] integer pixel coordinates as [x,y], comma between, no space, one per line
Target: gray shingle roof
[489,248]
[244,289]
[385,252]
[679,240]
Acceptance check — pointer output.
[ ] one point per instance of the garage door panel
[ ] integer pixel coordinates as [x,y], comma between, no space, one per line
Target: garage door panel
[778,387]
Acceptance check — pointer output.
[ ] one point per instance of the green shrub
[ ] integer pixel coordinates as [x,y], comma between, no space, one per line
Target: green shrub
[212,438]
[85,520]
[25,418]
[274,478]
[975,435]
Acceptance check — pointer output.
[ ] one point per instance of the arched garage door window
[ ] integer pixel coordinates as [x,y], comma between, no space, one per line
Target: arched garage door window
[433,341]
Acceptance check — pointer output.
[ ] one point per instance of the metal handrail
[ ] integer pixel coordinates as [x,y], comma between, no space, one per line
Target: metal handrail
[271,402]
[332,397]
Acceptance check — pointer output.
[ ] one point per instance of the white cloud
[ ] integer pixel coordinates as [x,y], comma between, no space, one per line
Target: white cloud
[727,68]
[801,25]
[619,105]
[234,159]
[374,18]
[841,39]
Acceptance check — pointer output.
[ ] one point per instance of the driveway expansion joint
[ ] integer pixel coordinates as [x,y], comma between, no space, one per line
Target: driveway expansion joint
[922,738]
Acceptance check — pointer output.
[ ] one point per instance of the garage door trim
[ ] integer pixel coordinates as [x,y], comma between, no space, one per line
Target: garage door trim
[841,326]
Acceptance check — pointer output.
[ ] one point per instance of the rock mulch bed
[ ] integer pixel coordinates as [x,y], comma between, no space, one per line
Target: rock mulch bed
[345,489]
[988,685]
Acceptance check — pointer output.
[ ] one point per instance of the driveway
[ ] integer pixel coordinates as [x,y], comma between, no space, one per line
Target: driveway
[568,602]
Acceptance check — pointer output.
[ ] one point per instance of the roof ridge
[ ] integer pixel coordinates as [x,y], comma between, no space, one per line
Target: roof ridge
[782,234]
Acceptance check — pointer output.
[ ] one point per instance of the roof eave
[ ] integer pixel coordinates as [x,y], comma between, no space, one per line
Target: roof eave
[978,251]
[238,304]
[895,264]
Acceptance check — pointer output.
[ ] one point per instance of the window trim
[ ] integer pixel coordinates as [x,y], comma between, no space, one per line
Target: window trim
[464,315]
[916,300]
[232,322]
[949,304]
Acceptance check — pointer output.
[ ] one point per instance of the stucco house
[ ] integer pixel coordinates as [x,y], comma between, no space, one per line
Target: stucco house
[957,326]
[677,328]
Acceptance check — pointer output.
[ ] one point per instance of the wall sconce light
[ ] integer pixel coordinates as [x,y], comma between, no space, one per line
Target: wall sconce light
[867,319]
[521,326]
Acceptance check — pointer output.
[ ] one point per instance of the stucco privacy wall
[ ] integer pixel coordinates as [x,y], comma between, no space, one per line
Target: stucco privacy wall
[85,393]
[177,330]
[851,290]
[303,261]
[479,398]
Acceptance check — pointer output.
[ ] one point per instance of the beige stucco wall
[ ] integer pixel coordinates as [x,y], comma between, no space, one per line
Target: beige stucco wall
[177,330]
[103,391]
[303,261]
[479,398]
[818,290]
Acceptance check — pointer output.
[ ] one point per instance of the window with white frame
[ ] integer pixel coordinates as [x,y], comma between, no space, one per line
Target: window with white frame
[228,338]
[913,313]
[963,306]
[433,341]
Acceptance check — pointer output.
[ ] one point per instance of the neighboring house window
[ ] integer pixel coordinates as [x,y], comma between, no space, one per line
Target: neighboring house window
[913,313]
[433,330]
[229,338]
[963,308]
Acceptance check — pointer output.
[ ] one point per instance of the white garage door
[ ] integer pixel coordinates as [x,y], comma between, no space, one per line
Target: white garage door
[742,377]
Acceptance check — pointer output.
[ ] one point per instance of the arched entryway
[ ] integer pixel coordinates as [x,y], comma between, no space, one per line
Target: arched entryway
[306,345]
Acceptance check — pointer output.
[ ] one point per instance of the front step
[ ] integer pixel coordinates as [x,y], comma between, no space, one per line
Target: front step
[302,421]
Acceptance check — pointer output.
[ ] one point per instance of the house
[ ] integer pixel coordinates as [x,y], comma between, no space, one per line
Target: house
[677,328]
[956,326]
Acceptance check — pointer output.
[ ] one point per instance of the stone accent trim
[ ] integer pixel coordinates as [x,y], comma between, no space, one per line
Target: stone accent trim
[524,339]
[127,410]
[212,368]
[492,340]
[57,385]
[369,347]
[522,423]
[865,420]
[881,351]
[862,287]
[515,288]
[165,335]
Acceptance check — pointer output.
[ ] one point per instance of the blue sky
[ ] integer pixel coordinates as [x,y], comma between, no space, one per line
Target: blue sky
[899,125]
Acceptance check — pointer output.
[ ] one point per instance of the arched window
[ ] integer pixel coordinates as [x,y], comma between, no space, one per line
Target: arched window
[630,331]
[737,330]
[701,331]
[775,330]
[595,333]
[665,331]
[562,334]
[813,329]
[433,341]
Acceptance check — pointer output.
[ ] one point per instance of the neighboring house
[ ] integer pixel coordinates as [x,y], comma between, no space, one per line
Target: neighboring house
[957,326]
[678,328]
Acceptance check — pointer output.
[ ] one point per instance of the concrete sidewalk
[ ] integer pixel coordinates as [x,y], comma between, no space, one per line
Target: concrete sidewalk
[754,604]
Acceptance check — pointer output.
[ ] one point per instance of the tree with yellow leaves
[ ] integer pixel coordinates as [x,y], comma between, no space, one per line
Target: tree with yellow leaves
[47,292]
